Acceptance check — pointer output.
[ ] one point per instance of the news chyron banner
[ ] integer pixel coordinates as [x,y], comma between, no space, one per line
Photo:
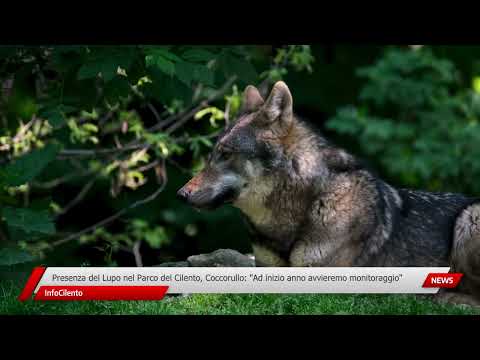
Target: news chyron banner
[144,283]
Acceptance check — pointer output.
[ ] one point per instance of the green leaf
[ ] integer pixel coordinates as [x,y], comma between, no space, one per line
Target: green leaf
[188,72]
[55,118]
[240,67]
[105,68]
[18,235]
[185,72]
[163,64]
[161,51]
[166,88]
[162,59]
[476,84]
[198,55]
[29,220]
[105,61]
[116,89]
[156,237]
[205,141]
[203,75]
[11,256]
[27,167]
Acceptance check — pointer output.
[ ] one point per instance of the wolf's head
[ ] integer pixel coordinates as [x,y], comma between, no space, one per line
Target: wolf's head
[266,148]
[249,149]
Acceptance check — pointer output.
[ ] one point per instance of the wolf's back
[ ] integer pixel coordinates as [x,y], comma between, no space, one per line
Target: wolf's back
[424,222]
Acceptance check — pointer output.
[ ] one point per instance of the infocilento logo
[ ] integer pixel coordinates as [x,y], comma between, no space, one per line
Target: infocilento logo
[143,283]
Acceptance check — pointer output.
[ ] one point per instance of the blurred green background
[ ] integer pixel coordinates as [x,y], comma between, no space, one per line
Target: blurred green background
[95,140]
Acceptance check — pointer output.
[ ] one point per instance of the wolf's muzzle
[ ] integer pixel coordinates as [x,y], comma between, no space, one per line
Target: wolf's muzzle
[183,195]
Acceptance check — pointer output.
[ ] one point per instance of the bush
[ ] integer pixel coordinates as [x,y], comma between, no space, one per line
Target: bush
[91,136]
[417,121]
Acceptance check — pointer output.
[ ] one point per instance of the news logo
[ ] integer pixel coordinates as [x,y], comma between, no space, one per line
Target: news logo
[72,284]
[447,281]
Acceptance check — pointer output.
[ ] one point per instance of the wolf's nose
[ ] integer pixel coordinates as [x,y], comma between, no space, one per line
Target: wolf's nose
[182,194]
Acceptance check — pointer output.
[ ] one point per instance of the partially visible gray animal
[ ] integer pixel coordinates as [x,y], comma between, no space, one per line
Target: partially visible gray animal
[310,203]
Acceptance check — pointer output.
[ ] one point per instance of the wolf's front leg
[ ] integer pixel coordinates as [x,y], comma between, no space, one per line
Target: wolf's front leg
[266,257]
[306,254]
[457,298]
[327,253]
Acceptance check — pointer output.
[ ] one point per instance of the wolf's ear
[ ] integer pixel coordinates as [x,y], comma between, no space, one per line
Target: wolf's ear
[339,160]
[279,105]
[252,100]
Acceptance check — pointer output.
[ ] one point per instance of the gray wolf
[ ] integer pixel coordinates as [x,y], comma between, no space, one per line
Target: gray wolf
[311,203]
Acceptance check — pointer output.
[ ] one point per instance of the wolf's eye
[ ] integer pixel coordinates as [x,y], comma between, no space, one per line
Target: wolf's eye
[225,155]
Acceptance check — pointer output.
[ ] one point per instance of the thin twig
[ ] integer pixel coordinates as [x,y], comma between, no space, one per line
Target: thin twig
[24,129]
[263,85]
[185,118]
[178,166]
[124,248]
[94,152]
[108,116]
[154,112]
[160,125]
[136,253]
[135,144]
[118,144]
[227,114]
[80,121]
[77,164]
[86,188]
[202,104]
[148,166]
[111,218]
[26,197]
[66,178]
[20,135]
[186,139]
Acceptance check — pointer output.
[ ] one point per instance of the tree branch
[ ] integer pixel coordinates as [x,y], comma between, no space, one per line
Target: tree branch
[63,179]
[218,94]
[154,112]
[113,217]
[135,144]
[94,152]
[80,196]
[136,253]
[148,166]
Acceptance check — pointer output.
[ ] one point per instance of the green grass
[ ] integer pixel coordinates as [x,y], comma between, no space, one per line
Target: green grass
[219,304]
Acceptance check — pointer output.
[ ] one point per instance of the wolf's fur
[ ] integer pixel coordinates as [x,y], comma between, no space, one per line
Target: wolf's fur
[310,203]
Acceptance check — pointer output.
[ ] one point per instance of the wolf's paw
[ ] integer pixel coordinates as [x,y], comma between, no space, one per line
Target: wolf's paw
[456,299]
